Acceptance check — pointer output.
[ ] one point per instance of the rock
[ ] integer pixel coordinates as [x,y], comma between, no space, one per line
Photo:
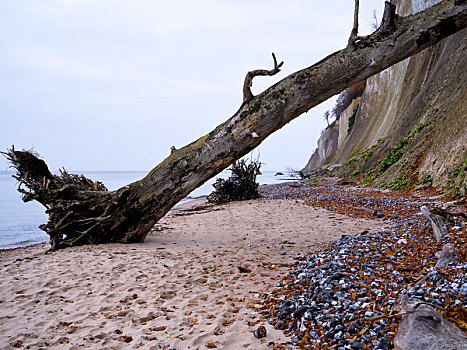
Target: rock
[243,269]
[357,345]
[342,182]
[426,329]
[384,344]
[300,310]
[260,332]
[378,214]
[278,174]
[463,289]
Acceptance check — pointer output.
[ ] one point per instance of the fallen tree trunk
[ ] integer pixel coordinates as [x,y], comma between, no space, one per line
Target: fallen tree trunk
[82,212]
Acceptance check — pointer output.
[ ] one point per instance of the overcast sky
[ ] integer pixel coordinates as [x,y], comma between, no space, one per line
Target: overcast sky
[112,85]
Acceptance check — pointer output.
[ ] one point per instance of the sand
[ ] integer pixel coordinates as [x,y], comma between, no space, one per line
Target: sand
[181,289]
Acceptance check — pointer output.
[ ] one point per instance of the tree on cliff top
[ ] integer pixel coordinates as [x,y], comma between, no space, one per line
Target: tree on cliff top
[84,212]
[346,97]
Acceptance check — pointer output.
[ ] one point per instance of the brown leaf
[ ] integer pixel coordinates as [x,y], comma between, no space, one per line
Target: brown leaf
[126,338]
[18,344]
[227,323]
[211,345]
[218,331]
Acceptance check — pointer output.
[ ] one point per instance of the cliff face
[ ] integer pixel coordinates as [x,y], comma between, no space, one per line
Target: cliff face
[331,139]
[411,124]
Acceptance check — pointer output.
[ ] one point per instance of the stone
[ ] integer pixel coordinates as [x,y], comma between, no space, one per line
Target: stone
[426,329]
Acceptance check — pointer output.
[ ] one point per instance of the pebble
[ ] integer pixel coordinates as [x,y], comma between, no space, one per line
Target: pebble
[329,294]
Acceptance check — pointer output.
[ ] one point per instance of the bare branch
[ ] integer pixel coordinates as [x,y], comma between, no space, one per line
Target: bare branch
[354,33]
[247,95]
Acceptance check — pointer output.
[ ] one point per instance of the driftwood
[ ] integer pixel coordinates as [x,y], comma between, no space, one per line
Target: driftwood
[449,215]
[81,214]
[438,218]
[423,328]
[446,256]
[438,223]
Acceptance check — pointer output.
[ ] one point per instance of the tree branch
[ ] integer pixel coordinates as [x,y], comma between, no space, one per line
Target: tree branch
[247,95]
[389,17]
[354,33]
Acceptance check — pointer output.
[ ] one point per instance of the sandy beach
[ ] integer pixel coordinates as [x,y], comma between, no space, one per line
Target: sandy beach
[181,289]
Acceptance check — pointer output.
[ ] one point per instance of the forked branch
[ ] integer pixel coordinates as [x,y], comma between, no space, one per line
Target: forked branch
[354,33]
[388,22]
[247,95]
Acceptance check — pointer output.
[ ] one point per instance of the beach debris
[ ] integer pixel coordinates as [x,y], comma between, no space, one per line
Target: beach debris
[342,296]
[125,338]
[438,223]
[424,328]
[18,344]
[243,269]
[446,256]
[260,332]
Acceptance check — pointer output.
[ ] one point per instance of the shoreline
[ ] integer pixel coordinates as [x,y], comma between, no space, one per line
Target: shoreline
[183,203]
[209,275]
[181,289]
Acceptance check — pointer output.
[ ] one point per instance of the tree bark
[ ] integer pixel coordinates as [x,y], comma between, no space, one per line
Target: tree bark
[82,212]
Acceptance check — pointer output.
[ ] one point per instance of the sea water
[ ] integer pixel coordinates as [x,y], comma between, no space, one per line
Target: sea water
[19,221]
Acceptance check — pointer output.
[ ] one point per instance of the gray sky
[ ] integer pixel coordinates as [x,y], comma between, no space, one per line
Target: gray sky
[112,84]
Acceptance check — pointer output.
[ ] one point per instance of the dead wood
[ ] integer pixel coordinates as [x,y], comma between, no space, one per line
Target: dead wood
[448,215]
[82,211]
[354,33]
[438,223]
[446,256]
[423,328]
[247,94]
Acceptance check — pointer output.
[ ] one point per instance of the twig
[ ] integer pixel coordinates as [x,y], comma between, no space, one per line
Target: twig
[374,318]
[379,317]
